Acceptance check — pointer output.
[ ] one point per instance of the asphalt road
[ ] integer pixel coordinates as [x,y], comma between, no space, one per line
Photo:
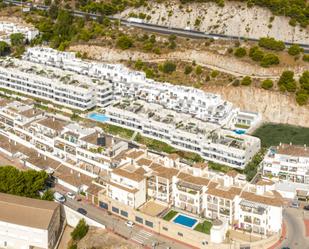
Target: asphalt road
[295,238]
[136,234]
[155,27]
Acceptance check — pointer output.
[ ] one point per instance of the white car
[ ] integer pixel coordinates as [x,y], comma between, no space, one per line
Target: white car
[130,223]
[59,197]
[71,195]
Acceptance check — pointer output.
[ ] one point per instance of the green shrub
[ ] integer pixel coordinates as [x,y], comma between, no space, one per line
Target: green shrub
[269,59]
[240,52]
[304,81]
[271,43]
[287,81]
[80,230]
[295,50]
[306,57]
[4,48]
[267,84]
[256,54]
[139,64]
[198,70]
[246,81]
[17,39]
[168,67]
[124,42]
[188,69]
[214,73]
[236,82]
[302,97]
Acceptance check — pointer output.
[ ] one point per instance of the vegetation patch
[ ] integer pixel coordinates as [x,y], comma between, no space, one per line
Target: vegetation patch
[274,134]
[170,215]
[203,227]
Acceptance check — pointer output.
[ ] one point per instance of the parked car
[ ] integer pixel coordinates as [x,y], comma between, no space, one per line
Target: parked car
[295,204]
[130,223]
[306,207]
[59,197]
[71,195]
[82,211]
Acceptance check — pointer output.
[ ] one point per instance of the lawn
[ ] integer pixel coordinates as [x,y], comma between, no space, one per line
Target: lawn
[204,227]
[273,134]
[170,215]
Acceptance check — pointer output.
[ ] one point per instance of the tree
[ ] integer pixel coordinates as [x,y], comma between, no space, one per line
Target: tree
[304,81]
[240,52]
[23,183]
[168,67]
[287,81]
[48,195]
[17,39]
[271,43]
[246,81]
[4,48]
[198,70]
[302,97]
[269,59]
[188,69]
[53,11]
[80,230]
[267,84]
[295,49]
[256,54]
[124,42]
[306,57]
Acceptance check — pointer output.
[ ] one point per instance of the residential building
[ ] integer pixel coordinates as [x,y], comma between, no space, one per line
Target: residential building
[287,162]
[28,223]
[8,28]
[54,84]
[185,132]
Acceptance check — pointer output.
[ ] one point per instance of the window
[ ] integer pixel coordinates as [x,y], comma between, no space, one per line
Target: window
[124,213]
[139,219]
[115,210]
[180,234]
[149,223]
[165,228]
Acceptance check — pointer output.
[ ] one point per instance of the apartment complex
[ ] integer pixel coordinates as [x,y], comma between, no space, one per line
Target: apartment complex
[186,118]
[84,159]
[73,153]
[8,28]
[194,189]
[287,162]
[28,223]
[53,84]
[132,84]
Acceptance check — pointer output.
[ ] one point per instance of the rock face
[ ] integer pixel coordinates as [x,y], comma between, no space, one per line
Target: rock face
[274,106]
[235,18]
[208,59]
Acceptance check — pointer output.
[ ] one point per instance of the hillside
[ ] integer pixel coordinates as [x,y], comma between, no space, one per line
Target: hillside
[234,18]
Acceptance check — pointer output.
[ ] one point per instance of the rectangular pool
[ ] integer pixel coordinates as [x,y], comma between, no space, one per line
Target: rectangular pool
[185,220]
[98,117]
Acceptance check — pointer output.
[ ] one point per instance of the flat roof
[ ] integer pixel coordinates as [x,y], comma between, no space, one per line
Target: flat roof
[26,211]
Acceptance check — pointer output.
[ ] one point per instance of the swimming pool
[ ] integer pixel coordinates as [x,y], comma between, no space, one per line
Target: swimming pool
[98,117]
[240,132]
[185,220]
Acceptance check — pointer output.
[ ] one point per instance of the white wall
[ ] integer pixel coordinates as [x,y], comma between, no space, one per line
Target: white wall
[73,217]
[22,237]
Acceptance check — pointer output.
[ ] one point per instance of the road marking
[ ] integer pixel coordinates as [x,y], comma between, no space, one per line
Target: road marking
[141,236]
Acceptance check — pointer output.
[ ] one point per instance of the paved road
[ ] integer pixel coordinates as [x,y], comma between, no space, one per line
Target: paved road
[157,28]
[295,238]
[136,234]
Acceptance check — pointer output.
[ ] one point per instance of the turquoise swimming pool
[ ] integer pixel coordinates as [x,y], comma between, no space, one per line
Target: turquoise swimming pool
[98,117]
[185,220]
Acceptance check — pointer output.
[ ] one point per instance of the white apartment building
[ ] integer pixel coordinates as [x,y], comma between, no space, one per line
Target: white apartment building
[8,28]
[184,132]
[132,84]
[287,162]
[28,223]
[53,84]
[127,184]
